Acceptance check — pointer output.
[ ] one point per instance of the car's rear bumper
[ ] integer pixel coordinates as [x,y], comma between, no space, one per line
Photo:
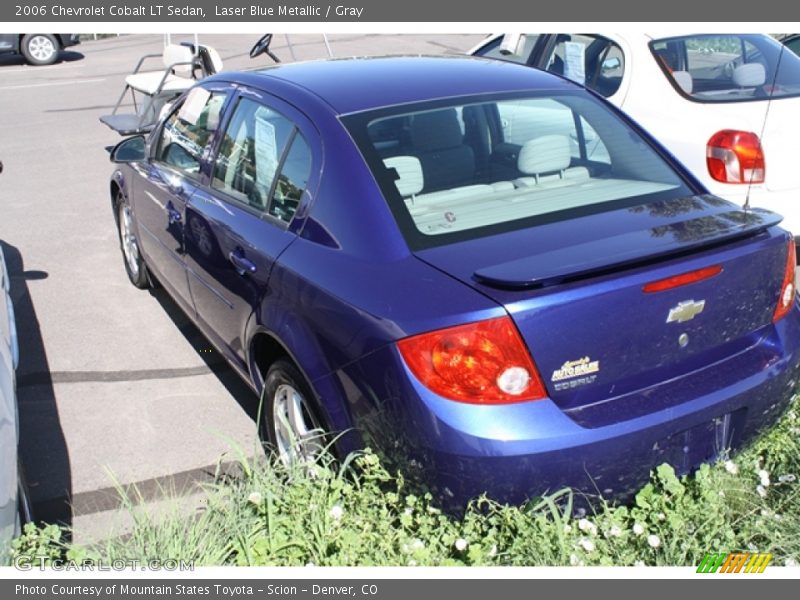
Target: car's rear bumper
[517,451]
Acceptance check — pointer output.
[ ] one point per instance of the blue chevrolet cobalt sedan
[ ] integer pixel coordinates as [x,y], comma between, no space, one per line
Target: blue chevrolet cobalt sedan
[484,271]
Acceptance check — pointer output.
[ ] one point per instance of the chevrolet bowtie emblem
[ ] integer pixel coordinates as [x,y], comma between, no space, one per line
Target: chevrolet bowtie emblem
[685,311]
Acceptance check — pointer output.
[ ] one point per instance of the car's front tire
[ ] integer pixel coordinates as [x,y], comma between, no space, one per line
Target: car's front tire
[134,263]
[290,422]
[39,48]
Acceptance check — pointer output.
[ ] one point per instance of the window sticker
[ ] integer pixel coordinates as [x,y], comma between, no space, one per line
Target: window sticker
[574,62]
[266,149]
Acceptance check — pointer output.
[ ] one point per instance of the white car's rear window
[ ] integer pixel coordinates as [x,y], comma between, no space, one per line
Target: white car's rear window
[469,168]
[728,67]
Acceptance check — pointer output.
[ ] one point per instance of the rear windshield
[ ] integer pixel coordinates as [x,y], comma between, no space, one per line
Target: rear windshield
[728,67]
[462,170]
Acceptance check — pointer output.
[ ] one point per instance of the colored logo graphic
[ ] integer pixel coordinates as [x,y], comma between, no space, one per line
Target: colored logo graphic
[735,562]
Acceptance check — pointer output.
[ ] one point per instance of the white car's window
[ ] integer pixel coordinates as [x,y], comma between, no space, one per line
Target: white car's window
[466,168]
[590,60]
[728,67]
[188,130]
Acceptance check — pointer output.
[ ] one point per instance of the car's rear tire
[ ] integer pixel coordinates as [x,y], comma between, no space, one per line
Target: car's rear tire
[290,422]
[134,263]
[39,48]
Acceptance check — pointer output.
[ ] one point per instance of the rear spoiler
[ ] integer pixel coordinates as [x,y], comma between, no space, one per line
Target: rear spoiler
[626,250]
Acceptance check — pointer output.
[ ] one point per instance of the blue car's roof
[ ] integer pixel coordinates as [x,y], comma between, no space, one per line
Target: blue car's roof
[359,84]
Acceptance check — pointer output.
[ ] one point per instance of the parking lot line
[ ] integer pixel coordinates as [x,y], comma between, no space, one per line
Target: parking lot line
[39,85]
[36,70]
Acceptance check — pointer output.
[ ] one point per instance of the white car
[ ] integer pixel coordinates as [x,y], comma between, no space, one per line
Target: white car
[725,105]
[13,508]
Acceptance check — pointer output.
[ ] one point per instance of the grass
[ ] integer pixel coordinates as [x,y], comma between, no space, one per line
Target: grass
[360,514]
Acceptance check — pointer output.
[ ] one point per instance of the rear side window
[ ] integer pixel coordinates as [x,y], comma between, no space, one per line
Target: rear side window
[728,67]
[263,161]
[468,169]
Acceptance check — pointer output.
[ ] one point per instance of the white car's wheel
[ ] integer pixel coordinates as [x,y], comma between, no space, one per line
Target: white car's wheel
[39,48]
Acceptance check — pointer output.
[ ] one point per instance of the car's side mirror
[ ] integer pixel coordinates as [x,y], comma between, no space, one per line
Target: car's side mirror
[129,150]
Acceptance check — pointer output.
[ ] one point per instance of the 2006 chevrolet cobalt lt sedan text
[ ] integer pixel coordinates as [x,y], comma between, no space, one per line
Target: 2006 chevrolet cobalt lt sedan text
[362,242]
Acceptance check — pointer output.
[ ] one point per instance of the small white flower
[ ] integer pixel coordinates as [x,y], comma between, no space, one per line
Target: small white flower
[493,551]
[587,526]
[573,559]
[721,493]
[336,512]
[614,531]
[412,563]
[461,544]
[255,498]
[777,517]
[417,544]
[567,528]
[762,491]
[409,510]
[661,516]
[788,478]
[653,540]
[586,544]
[790,562]
[764,477]
[638,563]
[731,467]
[638,529]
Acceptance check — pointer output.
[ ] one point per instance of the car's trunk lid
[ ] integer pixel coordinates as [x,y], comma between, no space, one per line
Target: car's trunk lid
[575,290]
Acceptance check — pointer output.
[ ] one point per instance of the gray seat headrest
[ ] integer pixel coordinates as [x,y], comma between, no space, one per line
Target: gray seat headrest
[436,130]
[409,171]
[750,75]
[684,80]
[544,154]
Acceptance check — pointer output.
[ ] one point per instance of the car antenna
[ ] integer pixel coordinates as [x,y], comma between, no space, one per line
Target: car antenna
[771,92]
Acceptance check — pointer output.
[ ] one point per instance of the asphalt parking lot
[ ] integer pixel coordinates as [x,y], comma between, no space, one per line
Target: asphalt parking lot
[115,385]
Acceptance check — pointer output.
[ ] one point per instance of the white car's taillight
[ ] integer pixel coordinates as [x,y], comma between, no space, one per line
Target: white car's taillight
[735,157]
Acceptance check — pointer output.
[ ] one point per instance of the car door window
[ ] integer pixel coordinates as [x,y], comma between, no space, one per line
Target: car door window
[728,68]
[188,131]
[590,60]
[250,153]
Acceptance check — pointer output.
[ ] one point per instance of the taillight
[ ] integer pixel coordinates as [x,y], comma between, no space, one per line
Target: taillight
[480,363]
[786,299]
[735,157]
